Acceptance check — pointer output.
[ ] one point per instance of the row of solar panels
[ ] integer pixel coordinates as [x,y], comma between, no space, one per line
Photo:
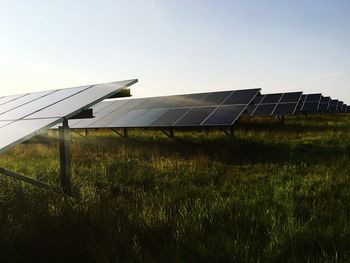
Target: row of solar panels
[278,105]
[26,115]
[204,109]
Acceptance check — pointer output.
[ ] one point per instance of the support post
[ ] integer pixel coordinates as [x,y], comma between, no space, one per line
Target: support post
[125,131]
[232,131]
[171,133]
[65,159]
[282,119]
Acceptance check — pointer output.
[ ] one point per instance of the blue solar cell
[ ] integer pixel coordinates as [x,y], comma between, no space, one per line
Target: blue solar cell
[313,97]
[272,98]
[339,106]
[214,99]
[285,109]
[264,110]
[333,106]
[241,97]
[146,119]
[310,107]
[195,116]
[291,97]
[224,115]
[169,117]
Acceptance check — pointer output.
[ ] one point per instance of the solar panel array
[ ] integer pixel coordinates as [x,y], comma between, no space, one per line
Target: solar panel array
[202,109]
[278,104]
[309,104]
[24,116]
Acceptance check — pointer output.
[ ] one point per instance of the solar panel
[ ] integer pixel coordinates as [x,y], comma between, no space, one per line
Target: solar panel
[285,109]
[225,115]
[4,123]
[99,111]
[344,108]
[339,106]
[240,97]
[292,97]
[324,104]
[68,106]
[150,103]
[190,100]
[195,116]
[313,97]
[169,117]
[127,118]
[40,103]
[333,106]
[200,109]
[22,130]
[105,104]
[27,115]
[117,111]
[278,104]
[215,98]
[258,99]
[8,99]
[272,98]
[311,103]
[300,104]
[264,110]
[22,101]
[146,119]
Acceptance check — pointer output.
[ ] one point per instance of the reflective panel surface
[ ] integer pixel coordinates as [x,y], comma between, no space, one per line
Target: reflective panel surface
[224,115]
[264,109]
[272,98]
[30,109]
[83,100]
[241,97]
[22,130]
[215,98]
[170,117]
[24,116]
[291,97]
[195,116]
[126,119]
[148,118]
[22,101]
[285,109]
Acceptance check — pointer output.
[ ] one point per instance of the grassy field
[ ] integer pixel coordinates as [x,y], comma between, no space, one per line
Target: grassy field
[275,193]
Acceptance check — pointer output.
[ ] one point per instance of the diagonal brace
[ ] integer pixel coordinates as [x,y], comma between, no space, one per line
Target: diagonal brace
[30,181]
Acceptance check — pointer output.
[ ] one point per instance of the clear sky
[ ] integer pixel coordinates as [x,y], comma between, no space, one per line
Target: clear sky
[176,46]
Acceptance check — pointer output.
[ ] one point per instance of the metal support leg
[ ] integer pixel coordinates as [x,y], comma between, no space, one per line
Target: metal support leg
[65,159]
[171,133]
[232,131]
[125,131]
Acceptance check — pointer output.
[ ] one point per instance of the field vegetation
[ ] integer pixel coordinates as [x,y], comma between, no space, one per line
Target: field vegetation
[274,193]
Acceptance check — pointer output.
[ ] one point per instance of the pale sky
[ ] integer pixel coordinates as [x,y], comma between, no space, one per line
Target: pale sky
[177,46]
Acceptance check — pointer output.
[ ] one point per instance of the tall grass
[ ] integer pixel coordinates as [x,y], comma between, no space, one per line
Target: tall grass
[276,193]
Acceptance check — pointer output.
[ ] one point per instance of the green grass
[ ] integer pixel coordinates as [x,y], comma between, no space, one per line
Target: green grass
[276,193]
